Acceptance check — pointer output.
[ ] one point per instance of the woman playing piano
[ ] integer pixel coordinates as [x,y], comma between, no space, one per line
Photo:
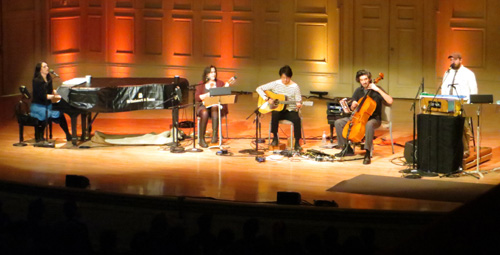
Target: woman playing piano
[41,105]
[209,80]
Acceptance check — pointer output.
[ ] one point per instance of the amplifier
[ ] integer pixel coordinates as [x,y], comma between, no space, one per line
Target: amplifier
[333,108]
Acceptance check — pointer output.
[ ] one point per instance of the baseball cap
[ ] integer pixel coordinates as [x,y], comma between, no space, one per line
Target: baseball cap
[456,55]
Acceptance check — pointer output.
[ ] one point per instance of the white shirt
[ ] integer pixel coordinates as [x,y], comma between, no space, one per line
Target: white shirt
[464,81]
[291,91]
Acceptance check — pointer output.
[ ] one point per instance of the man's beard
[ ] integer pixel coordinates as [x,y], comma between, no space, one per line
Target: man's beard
[456,66]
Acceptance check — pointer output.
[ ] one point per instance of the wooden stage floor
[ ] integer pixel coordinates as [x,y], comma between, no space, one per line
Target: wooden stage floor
[154,171]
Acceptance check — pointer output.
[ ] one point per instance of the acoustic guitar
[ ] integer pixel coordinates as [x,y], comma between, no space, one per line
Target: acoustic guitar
[279,102]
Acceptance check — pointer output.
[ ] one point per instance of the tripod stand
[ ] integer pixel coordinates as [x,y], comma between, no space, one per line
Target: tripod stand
[257,138]
[176,95]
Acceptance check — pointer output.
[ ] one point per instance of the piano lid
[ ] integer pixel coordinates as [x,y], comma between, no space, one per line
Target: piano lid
[126,94]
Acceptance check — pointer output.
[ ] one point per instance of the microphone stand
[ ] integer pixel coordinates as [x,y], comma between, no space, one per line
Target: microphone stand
[257,122]
[45,142]
[175,148]
[413,107]
[194,149]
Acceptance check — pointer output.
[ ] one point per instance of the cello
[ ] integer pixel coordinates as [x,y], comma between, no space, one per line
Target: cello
[354,130]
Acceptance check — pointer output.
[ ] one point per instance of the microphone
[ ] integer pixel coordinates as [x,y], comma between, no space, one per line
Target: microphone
[178,94]
[24,91]
[450,68]
[51,71]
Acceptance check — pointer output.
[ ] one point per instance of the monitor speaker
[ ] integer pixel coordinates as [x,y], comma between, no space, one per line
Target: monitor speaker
[288,198]
[408,153]
[77,181]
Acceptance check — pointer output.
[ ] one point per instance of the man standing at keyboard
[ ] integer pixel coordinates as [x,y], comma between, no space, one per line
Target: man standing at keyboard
[460,80]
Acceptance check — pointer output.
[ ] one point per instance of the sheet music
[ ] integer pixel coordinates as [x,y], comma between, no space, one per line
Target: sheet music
[74,81]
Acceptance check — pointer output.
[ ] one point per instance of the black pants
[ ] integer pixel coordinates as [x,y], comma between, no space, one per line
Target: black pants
[292,116]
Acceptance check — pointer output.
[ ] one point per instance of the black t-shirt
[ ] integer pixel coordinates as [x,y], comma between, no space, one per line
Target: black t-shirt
[40,89]
[360,92]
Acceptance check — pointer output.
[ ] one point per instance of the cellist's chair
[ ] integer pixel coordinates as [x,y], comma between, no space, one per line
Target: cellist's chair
[24,118]
[387,122]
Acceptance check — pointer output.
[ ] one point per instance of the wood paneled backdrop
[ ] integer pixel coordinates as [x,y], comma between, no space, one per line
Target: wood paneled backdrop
[325,41]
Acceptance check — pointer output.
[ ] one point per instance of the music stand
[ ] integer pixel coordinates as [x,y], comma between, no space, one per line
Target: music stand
[194,149]
[479,100]
[219,100]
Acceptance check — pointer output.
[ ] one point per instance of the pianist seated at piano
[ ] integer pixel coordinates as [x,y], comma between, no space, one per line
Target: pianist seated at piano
[43,96]
[209,81]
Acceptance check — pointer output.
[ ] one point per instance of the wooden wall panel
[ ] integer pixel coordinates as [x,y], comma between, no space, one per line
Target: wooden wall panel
[212,5]
[311,42]
[94,33]
[473,46]
[242,5]
[272,6]
[153,4]
[65,35]
[64,4]
[181,39]
[124,34]
[153,36]
[243,39]
[475,9]
[272,42]
[308,6]
[183,4]
[21,44]
[211,38]
[95,3]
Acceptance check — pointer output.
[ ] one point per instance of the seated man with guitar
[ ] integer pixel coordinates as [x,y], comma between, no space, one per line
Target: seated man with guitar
[275,95]
[209,81]
[366,116]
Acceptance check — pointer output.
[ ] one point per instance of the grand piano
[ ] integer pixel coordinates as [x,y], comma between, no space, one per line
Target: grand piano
[119,95]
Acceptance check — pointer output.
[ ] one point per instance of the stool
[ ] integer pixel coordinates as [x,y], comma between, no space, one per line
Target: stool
[287,122]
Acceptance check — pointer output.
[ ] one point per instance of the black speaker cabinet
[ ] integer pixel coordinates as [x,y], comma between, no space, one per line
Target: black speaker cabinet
[288,198]
[77,181]
[440,147]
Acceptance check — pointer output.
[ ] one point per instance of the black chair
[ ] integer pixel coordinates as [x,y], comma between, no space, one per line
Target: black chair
[25,119]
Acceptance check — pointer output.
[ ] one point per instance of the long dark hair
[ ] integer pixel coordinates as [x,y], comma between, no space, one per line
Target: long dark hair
[38,68]
[207,71]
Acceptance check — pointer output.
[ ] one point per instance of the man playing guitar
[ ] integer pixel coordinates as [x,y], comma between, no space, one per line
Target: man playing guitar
[284,86]
[378,95]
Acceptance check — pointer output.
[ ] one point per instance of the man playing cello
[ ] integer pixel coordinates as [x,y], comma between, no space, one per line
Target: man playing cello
[380,97]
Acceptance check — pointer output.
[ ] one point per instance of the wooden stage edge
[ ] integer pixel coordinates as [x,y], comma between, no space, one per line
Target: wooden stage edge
[153,171]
